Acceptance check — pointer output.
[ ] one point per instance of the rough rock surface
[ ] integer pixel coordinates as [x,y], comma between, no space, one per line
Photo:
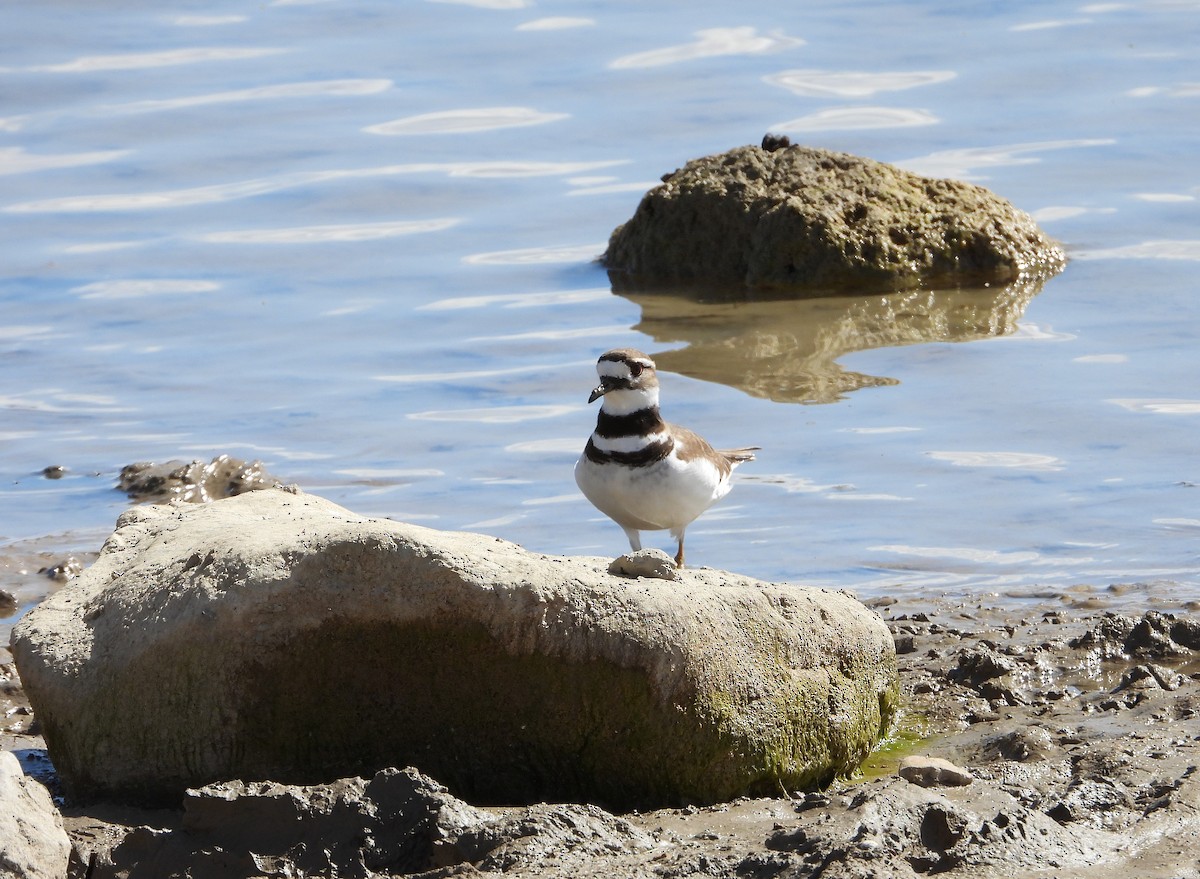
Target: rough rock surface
[33,843]
[810,220]
[277,635]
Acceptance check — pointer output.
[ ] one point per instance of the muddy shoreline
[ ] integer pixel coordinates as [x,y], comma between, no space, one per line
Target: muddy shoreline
[1079,727]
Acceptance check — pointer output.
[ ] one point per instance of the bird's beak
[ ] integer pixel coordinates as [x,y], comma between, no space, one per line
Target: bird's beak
[598,392]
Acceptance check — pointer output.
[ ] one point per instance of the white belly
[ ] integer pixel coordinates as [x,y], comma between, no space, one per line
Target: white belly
[666,495]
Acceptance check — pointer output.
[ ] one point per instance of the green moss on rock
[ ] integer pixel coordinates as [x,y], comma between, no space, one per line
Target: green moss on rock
[816,222]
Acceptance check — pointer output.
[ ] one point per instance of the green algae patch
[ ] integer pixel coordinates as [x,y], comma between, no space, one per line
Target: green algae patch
[909,735]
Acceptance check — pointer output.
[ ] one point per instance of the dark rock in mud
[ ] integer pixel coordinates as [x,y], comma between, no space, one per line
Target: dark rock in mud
[901,830]
[193,481]
[1155,635]
[982,664]
[278,635]
[815,222]
[64,571]
[398,822]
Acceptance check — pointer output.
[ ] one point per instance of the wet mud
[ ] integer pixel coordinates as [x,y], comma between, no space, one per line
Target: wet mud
[1072,739]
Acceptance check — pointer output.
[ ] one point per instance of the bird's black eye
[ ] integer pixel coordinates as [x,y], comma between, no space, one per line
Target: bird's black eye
[635,369]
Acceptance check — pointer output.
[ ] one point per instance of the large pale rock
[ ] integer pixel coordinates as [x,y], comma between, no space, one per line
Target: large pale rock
[814,221]
[33,843]
[277,635]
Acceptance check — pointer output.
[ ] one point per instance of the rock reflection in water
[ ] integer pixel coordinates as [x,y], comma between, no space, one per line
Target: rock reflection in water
[786,350]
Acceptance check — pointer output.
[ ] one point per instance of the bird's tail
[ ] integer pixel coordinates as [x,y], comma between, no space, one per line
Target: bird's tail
[739,456]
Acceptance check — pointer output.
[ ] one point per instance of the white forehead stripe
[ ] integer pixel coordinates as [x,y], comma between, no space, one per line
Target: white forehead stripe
[619,368]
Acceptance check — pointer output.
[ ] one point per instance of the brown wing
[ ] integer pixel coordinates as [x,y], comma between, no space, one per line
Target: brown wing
[690,445]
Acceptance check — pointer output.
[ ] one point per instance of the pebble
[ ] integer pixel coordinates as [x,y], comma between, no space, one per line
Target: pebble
[64,571]
[933,772]
[653,563]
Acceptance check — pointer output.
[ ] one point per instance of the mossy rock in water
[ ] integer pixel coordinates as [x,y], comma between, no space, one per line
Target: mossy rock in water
[277,635]
[815,222]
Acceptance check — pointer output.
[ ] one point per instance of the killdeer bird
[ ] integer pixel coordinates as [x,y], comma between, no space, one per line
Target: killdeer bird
[640,471]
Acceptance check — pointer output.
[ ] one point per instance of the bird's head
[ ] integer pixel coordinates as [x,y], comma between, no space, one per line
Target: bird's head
[628,381]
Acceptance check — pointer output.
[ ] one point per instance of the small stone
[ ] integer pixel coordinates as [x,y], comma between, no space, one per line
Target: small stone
[652,563]
[979,665]
[63,571]
[1152,677]
[773,142]
[933,772]
[905,644]
[195,481]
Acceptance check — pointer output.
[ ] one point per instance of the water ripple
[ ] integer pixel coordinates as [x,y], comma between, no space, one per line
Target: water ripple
[15,160]
[319,88]
[464,121]
[537,255]
[1013,460]
[144,60]
[223,192]
[710,42]
[1166,249]
[1159,406]
[316,234]
[556,23]
[139,288]
[962,163]
[858,118]
[519,300]
[497,414]
[853,84]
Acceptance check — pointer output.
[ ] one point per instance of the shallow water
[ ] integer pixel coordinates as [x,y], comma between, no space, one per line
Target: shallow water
[357,242]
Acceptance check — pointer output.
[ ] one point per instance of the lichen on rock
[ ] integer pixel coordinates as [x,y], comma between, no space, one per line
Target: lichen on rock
[816,222]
